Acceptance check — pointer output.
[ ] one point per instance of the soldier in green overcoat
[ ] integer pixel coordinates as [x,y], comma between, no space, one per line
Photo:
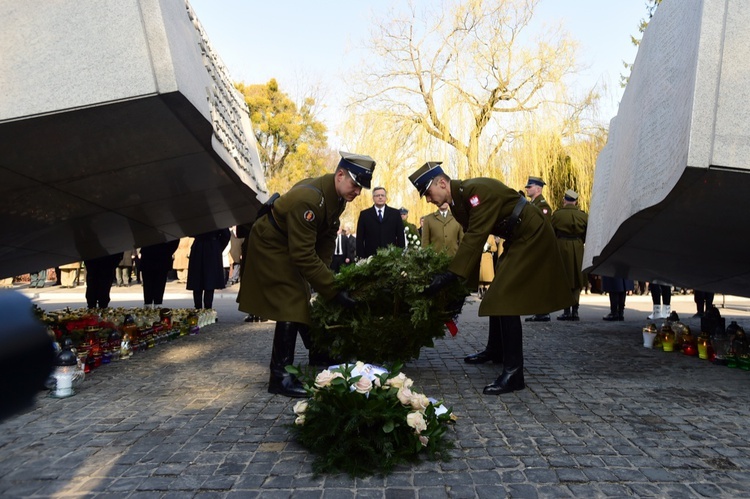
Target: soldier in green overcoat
[534,186]
[570,224]
[485,206]
[290,248]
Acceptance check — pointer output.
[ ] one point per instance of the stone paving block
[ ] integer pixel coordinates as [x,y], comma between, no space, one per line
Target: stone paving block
[155,483]
[599,475]
[205,494]
[371,493]
[398,479]
[522,490]
[397,493]
[242,494]
[187,482]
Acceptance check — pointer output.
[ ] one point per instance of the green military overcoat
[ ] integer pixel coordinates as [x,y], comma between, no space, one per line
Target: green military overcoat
[542,204]
[529,278]
[570,225]
[282,263]
[443,233]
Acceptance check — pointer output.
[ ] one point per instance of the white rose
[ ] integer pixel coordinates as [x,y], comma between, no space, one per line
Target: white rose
[300,407]
[300,420]
[416,420]
[397,381]
[363,385]
[419,402]
[325,377]
[404,395]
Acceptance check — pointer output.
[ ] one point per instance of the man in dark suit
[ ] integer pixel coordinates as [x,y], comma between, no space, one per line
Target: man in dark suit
[340,250]
[378,226]
[352,241]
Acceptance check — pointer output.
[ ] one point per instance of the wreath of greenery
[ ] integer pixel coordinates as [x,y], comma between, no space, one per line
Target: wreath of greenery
[393,318]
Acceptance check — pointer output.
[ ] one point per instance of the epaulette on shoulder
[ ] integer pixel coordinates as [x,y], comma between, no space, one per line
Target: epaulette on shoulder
[322,198]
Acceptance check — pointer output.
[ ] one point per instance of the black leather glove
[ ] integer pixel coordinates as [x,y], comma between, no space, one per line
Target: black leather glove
[343,299]
[439,281]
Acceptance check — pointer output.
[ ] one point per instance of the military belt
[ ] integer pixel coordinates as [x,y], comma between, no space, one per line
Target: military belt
[509,224]
[568,237]
[275,225]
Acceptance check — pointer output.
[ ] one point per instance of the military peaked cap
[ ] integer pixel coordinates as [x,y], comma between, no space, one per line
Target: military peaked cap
[422,178]
[359,166]
[535,181]
[571,195]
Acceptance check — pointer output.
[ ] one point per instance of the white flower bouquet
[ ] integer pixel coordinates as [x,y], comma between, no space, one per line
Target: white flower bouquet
[362,419]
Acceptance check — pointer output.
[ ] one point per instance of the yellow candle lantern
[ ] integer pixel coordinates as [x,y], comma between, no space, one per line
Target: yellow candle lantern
[667,338]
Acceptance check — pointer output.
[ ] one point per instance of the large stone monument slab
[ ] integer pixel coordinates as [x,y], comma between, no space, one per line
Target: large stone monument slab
[671,185]
[119,127]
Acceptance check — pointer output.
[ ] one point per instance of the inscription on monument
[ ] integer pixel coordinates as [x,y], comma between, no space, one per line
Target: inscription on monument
[227,106]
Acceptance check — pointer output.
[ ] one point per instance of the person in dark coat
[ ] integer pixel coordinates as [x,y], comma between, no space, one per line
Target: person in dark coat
[289,250]
[205,268]
[617,288]
[352,240]
[100,273]
[340,251]
[485,206]
[156,262]
[379,226]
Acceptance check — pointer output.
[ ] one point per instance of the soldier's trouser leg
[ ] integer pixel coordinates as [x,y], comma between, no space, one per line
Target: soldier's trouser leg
[282,355]
[494,349]
[512,377]
[316,356]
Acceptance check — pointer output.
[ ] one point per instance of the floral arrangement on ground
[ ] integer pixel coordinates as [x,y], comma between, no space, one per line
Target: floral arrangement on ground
[363,419]
[393,318]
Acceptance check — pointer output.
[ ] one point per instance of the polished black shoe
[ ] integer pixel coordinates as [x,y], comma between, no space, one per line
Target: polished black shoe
[482,357]
[286,385]
[538,318]
[613,317]
[506,383]
[565,317]
[574,317]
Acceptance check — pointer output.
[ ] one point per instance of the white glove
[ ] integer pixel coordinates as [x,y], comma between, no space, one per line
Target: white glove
[486,247]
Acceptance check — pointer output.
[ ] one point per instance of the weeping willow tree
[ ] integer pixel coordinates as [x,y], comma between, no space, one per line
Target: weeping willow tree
[466,75]
[564,160]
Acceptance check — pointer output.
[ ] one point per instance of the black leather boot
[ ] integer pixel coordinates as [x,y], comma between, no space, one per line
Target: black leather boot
[316,357]
[512,377]
[493,352]
[565,316]
[574,314]
[538,318]
[282,355]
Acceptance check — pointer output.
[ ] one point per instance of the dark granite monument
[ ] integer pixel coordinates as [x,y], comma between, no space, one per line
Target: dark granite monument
[671,185]
[119,127]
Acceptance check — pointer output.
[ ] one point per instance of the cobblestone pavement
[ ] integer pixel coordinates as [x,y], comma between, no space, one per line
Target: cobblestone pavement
[601,417]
